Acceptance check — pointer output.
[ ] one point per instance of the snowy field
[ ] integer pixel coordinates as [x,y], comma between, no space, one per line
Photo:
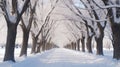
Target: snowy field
[61,57]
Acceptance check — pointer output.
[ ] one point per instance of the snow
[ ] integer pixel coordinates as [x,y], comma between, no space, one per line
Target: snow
[11,17]
[20,5]
[26,17]
[60,57]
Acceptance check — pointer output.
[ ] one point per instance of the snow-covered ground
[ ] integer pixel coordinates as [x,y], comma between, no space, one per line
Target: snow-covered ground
[61,57]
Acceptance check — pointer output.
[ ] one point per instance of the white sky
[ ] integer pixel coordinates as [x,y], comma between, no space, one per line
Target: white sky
[61,34]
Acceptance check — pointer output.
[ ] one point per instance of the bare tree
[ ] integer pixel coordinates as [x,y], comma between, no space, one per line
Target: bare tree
[26,21]
[12,14]
[44,20]
[100,27]
[75,34]
[115,25]
[94,16]
[47,31]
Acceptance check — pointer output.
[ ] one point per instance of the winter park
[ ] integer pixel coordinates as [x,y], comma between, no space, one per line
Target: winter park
[59,33]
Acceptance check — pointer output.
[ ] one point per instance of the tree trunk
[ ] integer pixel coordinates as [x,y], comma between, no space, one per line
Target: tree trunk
[43,43]
[88,44]
[10,43]
[83,44]
[78,44]
[116,40]
[75,46]
[47,46]
[43,47]
[34,45]
[72,45]
[38,47]
[24,43]
[99,42]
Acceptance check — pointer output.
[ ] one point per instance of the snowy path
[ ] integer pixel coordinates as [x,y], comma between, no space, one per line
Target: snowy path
[64,58]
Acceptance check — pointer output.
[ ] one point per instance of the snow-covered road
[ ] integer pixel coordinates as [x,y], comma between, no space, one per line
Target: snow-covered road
[64,58]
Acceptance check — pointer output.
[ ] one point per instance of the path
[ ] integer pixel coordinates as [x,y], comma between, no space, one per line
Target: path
[66,58]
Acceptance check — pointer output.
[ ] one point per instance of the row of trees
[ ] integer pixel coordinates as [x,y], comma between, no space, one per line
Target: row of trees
[31,16]
[88,18]
[94,16]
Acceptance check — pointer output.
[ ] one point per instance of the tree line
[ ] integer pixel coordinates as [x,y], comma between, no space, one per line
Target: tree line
[88,20]
[92,17]
[29,15]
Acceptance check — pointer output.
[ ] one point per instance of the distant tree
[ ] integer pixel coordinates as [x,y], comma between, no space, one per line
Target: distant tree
[90,22]
[44,21]
[74,31]
[47,32]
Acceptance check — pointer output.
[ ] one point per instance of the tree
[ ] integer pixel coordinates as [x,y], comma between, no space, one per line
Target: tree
[75,34]
[26,21]
[93,13]
[99,33]
[12,14]
[113,15]
[44,21]
[47,32]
